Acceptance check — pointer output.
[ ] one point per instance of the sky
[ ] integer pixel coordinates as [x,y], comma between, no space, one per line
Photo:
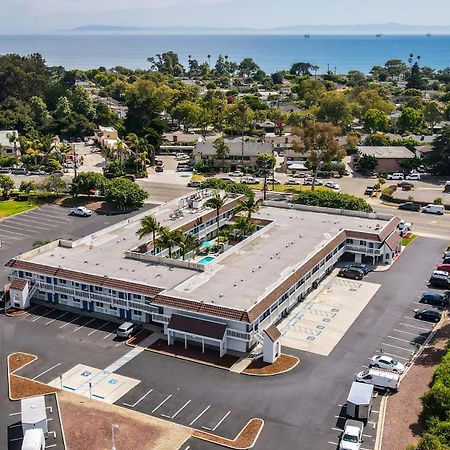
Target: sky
[29,16]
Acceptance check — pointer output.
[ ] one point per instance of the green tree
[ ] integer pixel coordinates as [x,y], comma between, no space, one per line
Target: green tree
[310,91]
[54,183]
[411,119]
[439,158]
[335,108]
[430,442]
[415,79]
[319,143]
[249,206]
[301,68]
[368,162]
[395,68]
[222,151]
[244,225]
[166,239]
[265,163]
[124,193]
[375,120]
[187,113]
[6,185]
[27,186]
[167,63]
[216,202]
[63,108]
[433,114]
[86,182]
[186,242]
[41,116]
[149,225]
[82,103]
[248,68]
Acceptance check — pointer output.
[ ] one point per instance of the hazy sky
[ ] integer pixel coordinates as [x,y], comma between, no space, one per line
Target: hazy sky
[27,16]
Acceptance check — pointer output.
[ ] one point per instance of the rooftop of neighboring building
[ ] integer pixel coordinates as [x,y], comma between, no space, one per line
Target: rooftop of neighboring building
[251,147]
[386,152]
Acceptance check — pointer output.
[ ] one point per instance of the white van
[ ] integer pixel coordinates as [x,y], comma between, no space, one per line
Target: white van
[433,209]
[34,439]
[379,378]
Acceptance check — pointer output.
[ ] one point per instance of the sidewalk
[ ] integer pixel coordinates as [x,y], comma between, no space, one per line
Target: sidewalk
[402,423]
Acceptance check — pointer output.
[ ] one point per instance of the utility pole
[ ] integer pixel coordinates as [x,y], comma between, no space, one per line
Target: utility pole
[75,162]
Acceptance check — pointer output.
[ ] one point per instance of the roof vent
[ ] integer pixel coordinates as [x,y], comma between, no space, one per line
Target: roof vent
[85,261]
[271,257]
[235,284]
[253,270]
[220,295]
[243,279]
[96,264]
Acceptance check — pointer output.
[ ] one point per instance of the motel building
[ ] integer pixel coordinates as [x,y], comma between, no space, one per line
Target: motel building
[230,299]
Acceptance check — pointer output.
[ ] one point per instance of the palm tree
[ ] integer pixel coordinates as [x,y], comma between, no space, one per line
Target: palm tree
[244,226]
[250,206]
[140,160]
[186,242]
[209,60]
[166,239]
[149,225]
[216,202]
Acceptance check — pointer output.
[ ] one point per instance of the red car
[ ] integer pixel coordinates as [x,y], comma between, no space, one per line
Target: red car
[444,268]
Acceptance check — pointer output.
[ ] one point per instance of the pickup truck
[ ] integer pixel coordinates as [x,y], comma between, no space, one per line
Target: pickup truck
[351,437]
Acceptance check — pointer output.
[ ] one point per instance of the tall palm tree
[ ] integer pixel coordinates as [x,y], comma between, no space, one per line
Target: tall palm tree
[140,160]
[250,206]
[244,226]
[149,225]
[186,242]
[216,202]
[166,239]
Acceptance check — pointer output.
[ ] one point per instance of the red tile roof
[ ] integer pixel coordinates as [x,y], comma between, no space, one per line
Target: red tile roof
[393,240]
[198,327]
[18,283]
[273,333]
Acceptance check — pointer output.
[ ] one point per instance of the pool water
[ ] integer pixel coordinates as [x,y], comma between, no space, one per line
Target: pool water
[206,260]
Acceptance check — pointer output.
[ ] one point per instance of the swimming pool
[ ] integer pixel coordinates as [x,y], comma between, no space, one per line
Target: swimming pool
[206,260]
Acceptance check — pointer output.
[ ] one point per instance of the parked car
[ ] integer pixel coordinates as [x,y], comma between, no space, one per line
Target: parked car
[369,190]
[19,171]
[194,184]
[361,266]
[292,182]
[158,162]
[332,185]
[404,225]
[352,436]
[5,169]
[413,176]
[159,168]
[37,172]
[386,362]
[395,176]
[309,182]
[249,180]
[433,209]
[273,181]
[439,281]
[128,329]
[354,273]
[444,268]
[428,314]
[434,299]
[299,175]
[236,173]
[381,379]
[409,206]
[80,211]
[227,179]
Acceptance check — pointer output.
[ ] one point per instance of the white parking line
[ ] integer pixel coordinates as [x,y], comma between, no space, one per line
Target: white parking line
[81,326]
[135,403]
[407,332]
[43,315]
[15,414]
[32,224]
[107,336]
[99,328]
[200,415]
[332,443]
[50,446]
[396,356]
[403,340]
[56,318]
[220,421]
[181,409]
[162,403]
[68,323]
[45,371]
[6,231]
[337,429]
[33,308]
[414,326]
[409,350]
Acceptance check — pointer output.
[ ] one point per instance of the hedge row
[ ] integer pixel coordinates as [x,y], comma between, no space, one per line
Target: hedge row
[330,199]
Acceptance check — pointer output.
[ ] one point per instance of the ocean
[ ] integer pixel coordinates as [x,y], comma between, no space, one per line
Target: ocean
[271,52]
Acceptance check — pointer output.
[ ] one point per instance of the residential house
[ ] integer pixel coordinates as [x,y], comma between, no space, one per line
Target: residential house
[9,143]
[389,158]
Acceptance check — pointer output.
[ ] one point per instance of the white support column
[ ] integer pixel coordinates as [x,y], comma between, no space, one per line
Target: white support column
[185,341]
[203,344]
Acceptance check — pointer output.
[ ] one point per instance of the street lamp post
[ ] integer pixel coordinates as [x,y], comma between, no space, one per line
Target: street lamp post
[113,426]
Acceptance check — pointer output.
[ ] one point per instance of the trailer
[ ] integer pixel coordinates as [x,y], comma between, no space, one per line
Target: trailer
[34,414]
[359,401]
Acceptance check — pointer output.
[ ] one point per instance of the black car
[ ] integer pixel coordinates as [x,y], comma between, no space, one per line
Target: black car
[364,267]
[159,168]
[439,282]
[350,272]
[410,206]
[431,298]
[428,314]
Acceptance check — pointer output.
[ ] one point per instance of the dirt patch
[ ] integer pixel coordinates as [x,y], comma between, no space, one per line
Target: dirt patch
[15,312]
[87,425]
[283,364]
[18,360]
[402,424]
[194,353]
[133,341]
[20,387]
[245,439]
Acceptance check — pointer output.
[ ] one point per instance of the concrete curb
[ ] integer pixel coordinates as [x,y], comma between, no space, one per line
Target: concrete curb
[381,419]
[60,421]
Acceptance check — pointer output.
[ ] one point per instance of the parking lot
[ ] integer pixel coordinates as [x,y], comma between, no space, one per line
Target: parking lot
[54,439]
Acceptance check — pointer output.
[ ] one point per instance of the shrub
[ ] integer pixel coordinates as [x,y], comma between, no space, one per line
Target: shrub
[227,186]
[329,199]
[390,189]
[438,201]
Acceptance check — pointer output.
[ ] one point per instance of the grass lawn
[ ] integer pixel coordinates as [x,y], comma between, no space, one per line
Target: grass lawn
[11,207]
[407,240]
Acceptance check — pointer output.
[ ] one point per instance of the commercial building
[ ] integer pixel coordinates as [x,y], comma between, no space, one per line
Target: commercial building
[389,158]
[226,300]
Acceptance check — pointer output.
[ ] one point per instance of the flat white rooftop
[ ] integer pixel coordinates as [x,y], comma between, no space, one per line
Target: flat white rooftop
[238,279]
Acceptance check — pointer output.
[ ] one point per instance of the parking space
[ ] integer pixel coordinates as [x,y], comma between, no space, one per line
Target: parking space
[54,439]
[70,325]
[178,407]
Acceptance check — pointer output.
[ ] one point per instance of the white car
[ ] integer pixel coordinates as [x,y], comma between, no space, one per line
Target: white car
[332,185]
[309,182]
[404,225]
[413,176]
[273,181]
[396,176]
[292,182]
[249,180]
[236,173]
[352,436]
[386,362]
[81,211]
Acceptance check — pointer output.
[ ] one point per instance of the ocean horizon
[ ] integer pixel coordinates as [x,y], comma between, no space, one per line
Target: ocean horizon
[339,53]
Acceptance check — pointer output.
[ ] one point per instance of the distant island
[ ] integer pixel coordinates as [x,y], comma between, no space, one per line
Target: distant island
[311,30]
